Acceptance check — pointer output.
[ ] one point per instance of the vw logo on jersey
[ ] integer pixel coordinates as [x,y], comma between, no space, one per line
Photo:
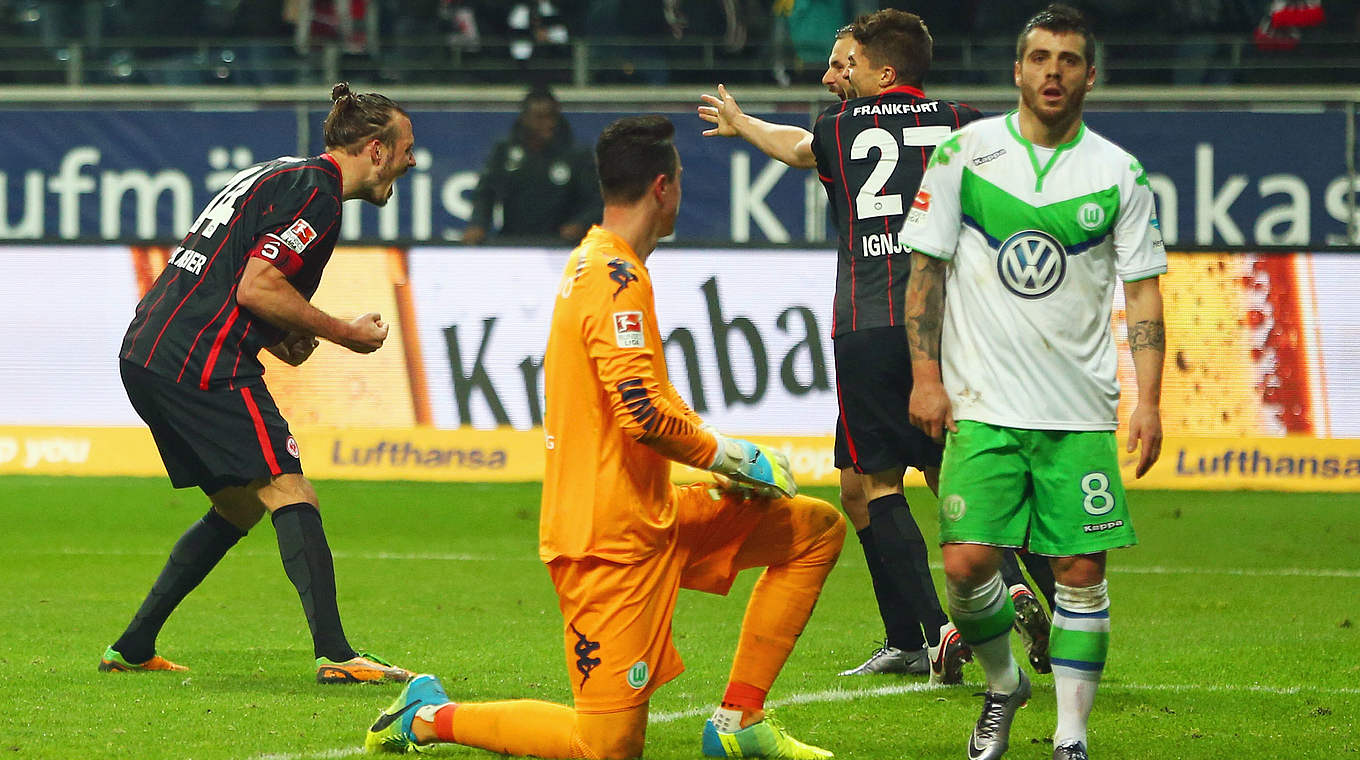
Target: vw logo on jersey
[1090,216]
[1031,263]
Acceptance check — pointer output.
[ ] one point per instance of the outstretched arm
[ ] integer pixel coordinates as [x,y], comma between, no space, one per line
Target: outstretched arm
[782,142]
[929,407]
[1147,343]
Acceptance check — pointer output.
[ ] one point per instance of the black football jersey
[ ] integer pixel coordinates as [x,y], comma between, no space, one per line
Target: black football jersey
[871,153]
[188,327]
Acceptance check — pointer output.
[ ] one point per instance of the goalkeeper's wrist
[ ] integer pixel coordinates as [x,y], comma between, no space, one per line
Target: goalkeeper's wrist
[725,460]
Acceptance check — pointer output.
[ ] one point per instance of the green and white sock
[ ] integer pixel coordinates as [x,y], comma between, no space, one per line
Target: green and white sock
[984,616]
[1077,647]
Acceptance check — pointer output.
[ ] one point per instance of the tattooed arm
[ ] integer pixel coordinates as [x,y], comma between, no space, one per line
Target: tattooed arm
[929,408]
[1147,343]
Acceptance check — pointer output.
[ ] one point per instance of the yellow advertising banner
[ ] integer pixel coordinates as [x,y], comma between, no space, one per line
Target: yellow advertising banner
[1295,463]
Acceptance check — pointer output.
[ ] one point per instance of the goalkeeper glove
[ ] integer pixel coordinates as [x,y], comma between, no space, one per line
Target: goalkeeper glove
[760,467]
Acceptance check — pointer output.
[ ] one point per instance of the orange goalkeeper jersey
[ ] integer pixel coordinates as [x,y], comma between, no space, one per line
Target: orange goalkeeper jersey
[613,420]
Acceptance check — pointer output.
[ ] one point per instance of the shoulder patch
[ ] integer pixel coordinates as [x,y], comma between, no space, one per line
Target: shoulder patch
[298,236]
[628,331]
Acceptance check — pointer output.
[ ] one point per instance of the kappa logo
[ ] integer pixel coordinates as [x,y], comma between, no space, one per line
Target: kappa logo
[298,236]
[1090,216]
[628,331]
[584,648]
[621,272]
[1031,263]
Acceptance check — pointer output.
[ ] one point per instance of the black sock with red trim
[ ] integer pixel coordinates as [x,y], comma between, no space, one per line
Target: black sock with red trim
[307,561]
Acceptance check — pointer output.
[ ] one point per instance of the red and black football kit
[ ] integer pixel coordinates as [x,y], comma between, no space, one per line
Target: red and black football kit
[871,153]
[189,358]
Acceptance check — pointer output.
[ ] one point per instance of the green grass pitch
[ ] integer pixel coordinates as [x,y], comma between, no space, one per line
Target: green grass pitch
[1236,631]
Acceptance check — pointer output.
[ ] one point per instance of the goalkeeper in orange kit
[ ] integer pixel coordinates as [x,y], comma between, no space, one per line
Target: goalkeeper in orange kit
[618,538]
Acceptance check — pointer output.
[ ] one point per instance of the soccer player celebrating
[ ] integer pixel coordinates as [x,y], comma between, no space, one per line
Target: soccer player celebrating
[869,151]
[618,538]
[1026,220]
[241,281]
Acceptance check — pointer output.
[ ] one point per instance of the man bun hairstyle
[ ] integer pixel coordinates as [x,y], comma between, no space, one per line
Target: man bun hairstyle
[899,39]
[356,118]
[1058,19]
[631,153]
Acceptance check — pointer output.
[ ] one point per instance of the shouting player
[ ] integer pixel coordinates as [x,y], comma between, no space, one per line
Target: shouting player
[1026,221]
[239,282]
[619,539]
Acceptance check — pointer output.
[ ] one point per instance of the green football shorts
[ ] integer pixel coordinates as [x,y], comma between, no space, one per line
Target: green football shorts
[1057,492]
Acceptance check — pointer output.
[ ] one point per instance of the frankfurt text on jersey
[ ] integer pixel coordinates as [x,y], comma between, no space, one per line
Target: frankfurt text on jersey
[890,109]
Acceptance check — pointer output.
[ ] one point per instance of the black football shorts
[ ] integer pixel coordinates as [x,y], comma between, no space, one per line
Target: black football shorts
[873,388]
[212,439]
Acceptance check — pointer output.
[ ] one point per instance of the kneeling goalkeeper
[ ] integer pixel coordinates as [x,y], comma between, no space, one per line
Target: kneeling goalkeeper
[618,538]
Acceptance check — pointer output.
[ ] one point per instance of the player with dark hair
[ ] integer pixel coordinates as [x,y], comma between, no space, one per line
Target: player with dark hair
[869,151]
[1024,222]
[618,538]
[241,281]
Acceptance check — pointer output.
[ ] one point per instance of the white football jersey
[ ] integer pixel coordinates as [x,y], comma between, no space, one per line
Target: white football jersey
[1036,237]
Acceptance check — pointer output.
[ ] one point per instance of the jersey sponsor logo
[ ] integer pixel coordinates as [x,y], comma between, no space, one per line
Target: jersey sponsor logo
[628,329]
[893,109]
[621,272]
[293,447]
[994,155]
[298,236]
[1090,216]
[189,260]
[639,675]
[1031,263]
[584,648]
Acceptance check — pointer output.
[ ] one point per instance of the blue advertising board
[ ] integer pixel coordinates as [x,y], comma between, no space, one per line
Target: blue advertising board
[1221,177]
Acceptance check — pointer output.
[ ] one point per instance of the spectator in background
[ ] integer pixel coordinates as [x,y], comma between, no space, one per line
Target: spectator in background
[544,184]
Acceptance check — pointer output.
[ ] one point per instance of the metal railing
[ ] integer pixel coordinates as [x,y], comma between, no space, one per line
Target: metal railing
[1199,59]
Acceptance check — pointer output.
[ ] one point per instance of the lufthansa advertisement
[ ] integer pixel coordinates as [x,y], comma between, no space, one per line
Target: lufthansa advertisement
[1258,391]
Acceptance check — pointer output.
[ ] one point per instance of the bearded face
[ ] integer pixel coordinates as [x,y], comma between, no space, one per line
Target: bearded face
[1054,76]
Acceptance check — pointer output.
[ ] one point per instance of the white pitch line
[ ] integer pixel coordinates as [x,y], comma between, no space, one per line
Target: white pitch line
[1298,572]
[846,695]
